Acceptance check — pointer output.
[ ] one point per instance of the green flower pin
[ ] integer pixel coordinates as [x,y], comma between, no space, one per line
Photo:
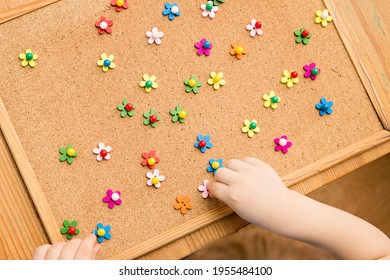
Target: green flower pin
[192,84]
[68,154]
[178,114]
[127,108]
[151,118]
[303,35]
[70,229]
[216,2]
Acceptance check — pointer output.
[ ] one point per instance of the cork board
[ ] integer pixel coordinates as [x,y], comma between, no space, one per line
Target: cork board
[67,99]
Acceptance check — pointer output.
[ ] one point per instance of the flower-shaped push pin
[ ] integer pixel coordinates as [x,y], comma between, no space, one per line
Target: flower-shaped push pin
[28,58]
[149,159]
[271,100]
[216,80]
[154,36]
[203,189]
[171,10]
[203,142]
[103,152]
[323,17]
[209,9]
[178,114]
[183,203]
[119,4]
[151,118]
[325,107]
[106,62]
[282,144]
[192,84]
[289,78]
[204,46]
[303,35]
[126,108]
[102,232]
[250,127]
[214,165]
[238,49]
[311,71]
[148,83]
[104,25]
[255,27]
[68,153]
[112,198]
[70,229]
[155,178]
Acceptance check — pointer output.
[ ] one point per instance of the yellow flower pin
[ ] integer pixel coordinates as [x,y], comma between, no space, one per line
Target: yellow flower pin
[106,62]
[28,58]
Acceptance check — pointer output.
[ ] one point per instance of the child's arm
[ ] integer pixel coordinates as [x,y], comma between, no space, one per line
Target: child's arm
[76,249]
[256,193]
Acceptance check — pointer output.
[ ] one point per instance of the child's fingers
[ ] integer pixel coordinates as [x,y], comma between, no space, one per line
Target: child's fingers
[225,175]
[96,250]
[218,190]
[70,249]
[55,251]
[41,252]
[85,251]
[253,161]
[236,165]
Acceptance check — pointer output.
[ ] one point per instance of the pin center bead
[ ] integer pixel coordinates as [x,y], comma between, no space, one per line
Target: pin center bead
[253,125]
[175,9]
[202,143]
[29,56]
[149,84]
[192,83]
[101,232]
[129,107]
[151,161]
[239,50]
[258,25]
[115,196]
[120,3]
[103,153]
[216,79]
[107,62]
[324,15]
[71,230]
[209,6]
[215,165]
[282,142]
[315,71]
[153,118]
[294,74]
[206,44]
[305,33]
[182,114]
[274,99]
[155,180]
[71,152]
[103,25]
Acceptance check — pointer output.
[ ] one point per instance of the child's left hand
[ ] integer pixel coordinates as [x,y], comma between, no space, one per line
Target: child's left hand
[76,249]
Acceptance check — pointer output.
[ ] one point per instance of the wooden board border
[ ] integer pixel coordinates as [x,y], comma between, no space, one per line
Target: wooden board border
[377,97]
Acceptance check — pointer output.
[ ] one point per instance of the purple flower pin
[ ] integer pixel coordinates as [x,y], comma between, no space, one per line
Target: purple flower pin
[311,71]
[282,144]
[203,47]
[112,198]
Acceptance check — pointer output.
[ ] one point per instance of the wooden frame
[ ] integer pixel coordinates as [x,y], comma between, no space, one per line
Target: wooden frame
[376,93]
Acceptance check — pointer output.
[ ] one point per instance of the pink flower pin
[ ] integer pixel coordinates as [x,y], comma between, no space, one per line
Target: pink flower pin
[104,25]
[154,36]
[203,189]
[103,152]
[255,27]
[203,47]
[209,9]
[282,144]
[112,198]
[311,70]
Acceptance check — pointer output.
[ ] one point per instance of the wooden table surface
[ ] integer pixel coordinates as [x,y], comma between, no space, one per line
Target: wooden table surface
[21,230]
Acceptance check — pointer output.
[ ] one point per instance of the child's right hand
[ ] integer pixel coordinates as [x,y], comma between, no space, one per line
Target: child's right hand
[251,188]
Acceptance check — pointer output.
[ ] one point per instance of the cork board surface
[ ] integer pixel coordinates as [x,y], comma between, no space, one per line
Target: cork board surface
[67,99]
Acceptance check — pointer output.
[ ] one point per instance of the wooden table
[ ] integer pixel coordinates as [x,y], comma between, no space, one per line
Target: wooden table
[368,29]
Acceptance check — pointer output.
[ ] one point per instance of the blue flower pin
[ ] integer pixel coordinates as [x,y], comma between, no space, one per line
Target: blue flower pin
[214,165]
[203,142]
[325,107]
[102,232]
[171,10]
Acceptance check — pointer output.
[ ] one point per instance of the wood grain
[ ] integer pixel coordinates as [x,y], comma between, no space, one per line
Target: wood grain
[15,8]
[363,27]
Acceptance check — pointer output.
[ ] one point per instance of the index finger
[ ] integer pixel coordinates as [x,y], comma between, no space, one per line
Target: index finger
[86,248]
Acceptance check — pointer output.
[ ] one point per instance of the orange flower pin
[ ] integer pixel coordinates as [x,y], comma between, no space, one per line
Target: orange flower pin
[238,49]
[183,203]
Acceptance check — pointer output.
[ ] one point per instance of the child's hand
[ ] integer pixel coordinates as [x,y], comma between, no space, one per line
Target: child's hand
[75,249]
[251,188]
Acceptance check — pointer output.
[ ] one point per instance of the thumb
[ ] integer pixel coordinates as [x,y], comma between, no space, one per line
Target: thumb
[218,190]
